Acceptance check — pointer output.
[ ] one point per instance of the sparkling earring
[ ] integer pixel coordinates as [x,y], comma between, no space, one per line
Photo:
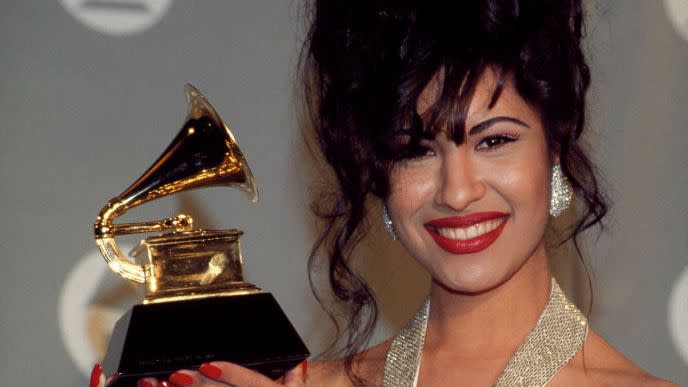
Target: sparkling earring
[561,192]
[388,222]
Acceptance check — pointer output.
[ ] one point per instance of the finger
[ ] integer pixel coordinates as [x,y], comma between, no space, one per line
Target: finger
[147,382]
[184,378]
[297,376]
[97,377]
[235,375]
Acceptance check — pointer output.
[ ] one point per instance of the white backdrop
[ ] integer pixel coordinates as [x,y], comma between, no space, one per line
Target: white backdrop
[91,93]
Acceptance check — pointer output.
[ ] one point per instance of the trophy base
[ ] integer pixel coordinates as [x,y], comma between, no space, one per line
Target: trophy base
[155,340]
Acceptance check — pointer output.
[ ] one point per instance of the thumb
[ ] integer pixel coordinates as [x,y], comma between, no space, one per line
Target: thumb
[297,376]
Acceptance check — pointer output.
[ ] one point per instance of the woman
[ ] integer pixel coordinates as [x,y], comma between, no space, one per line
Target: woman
[464,121]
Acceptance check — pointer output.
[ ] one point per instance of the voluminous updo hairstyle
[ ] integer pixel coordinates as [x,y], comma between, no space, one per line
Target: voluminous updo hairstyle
[364,64]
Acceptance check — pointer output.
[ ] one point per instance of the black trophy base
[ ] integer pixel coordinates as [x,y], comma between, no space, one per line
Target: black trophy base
[155,340]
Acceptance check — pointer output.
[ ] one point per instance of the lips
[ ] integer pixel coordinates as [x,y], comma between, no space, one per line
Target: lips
[468,233]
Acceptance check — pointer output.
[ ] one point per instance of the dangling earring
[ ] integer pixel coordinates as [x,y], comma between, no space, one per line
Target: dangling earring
[388,222]
[561,192]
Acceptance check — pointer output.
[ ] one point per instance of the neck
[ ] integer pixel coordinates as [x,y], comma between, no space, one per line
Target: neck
[493,322]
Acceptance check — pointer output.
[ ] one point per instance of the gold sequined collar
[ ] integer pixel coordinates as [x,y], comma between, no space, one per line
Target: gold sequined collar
[557,336]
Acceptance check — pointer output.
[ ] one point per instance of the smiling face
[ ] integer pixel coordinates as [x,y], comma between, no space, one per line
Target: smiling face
[474,213]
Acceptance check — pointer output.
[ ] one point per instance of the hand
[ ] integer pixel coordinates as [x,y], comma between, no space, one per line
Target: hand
[224,374]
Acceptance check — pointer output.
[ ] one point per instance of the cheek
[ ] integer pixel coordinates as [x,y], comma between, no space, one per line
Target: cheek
[525,185]
[410,191]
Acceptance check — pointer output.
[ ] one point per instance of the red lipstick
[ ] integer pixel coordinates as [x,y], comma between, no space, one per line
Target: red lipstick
[466,246]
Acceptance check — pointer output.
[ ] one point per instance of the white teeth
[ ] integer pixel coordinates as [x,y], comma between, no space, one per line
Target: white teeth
[447,232]
[470,232]
[461,233]
[453,234]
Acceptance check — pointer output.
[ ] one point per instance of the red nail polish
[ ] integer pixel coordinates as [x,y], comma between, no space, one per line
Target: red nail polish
[144,383]
[210,371]
[304,369]
[95,375]
[181,379]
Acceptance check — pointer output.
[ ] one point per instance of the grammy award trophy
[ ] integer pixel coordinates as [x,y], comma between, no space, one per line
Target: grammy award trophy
[197,306]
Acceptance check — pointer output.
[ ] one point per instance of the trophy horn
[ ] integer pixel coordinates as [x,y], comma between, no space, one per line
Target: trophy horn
[203,154]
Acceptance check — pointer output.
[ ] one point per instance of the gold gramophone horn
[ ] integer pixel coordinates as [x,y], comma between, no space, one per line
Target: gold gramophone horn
[203,154]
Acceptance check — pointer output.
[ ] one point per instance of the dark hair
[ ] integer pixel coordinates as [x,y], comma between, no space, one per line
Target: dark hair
[365,63]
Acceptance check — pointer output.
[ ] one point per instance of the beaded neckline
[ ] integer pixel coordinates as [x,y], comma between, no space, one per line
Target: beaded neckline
[556,337]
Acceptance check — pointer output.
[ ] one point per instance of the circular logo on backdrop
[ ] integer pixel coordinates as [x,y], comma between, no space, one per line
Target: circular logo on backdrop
[93,298]
[678,14]
[117,17]
[678,314]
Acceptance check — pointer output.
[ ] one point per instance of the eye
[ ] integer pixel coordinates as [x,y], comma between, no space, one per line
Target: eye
[495,142]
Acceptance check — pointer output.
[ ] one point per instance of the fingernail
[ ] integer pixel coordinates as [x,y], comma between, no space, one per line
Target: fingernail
[144,383]
[96,373]
[164,384]
[210,371]
[181,379]
[304,369]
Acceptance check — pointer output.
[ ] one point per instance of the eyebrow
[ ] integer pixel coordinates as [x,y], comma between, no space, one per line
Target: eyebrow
[478,128]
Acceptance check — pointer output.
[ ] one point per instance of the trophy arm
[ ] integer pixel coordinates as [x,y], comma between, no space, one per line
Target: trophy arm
[118,262]
[105,232]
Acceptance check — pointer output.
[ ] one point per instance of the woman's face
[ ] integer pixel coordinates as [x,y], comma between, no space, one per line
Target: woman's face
[472,214]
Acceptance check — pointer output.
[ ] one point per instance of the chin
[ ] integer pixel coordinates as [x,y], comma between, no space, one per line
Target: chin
[472,280]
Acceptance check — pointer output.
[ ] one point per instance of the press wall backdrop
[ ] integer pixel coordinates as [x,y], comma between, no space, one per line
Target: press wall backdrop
[91,92]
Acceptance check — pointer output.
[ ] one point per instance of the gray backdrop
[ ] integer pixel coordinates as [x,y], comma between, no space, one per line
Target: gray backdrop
[91,93]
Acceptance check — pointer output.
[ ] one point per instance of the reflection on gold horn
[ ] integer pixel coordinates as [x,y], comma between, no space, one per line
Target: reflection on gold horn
[203,154]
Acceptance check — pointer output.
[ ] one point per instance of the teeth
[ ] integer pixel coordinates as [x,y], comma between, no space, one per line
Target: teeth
[461,233]
[454,234]
[470,232]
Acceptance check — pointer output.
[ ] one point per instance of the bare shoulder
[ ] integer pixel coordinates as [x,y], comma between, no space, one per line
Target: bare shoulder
[599,364]
[368,364]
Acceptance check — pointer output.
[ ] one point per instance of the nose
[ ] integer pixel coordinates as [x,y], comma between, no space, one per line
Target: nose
[459,182]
